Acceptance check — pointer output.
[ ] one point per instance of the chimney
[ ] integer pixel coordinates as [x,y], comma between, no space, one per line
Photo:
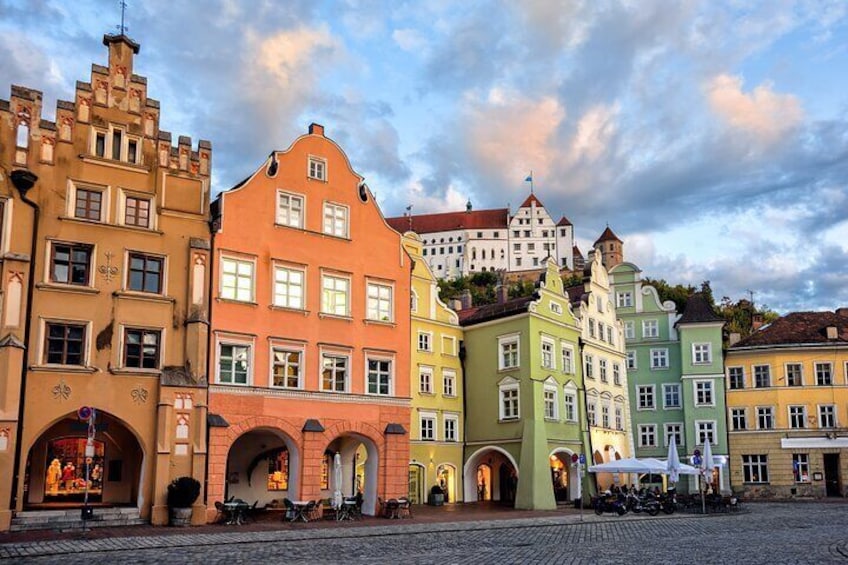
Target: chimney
[842,312]
[316,129]
[456,304]
[832,332]
[735,338]
[502,292]
[756,321]
[465,300]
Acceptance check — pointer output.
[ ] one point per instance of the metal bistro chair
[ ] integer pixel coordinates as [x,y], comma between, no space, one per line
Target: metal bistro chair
[221,515]
[290,514]
[404,508]
[306,513]
[392,508]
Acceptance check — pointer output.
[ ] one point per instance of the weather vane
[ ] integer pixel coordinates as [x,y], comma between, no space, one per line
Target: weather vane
[122,28]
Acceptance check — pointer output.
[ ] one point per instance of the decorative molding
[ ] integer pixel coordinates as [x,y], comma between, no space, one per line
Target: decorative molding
[109,271]
[139,394]
[335,397]
[61,391]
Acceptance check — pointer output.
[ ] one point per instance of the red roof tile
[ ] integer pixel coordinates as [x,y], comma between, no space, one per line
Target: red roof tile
[530,199]
[607,236]
[802,328]
[564,222]
[447,221]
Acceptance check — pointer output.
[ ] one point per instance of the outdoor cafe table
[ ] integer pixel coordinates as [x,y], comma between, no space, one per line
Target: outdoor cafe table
[235,511]
[300,510]
[345,511]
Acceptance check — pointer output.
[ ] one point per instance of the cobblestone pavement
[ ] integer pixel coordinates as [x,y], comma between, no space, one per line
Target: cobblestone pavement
[773,533]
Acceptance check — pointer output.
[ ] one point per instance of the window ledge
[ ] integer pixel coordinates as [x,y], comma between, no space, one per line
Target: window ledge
[386,323]
[134,229]
[552,420]
[144,296]
[126,166]
[63,369]
[131,371]
[659,368]
[425,351]
[325,315]
[508,420]
[72,288]
[234,301]
[288,309]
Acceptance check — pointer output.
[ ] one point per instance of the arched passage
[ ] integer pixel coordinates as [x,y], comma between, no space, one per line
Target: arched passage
[564,476]
[263,464]
[490,473]
[417,483]
[60,469]
[359,470]
[446,478]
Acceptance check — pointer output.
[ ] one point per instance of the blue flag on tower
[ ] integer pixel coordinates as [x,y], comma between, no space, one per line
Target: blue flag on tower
[529,178]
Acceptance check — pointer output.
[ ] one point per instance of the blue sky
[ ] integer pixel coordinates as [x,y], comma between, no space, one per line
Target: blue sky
[712,136]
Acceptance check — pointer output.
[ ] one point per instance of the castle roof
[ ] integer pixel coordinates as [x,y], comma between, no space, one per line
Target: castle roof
[448,221]
[608,235]
[698,310]
[576,251]
[564,222]
[531,199]
[800,328]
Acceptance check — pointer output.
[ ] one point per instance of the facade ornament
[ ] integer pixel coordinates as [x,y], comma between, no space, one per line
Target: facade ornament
[139,394]
[109,271]
[61,391]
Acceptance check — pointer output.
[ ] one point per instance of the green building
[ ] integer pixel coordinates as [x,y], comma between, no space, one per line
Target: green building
[525,402]
[675,371]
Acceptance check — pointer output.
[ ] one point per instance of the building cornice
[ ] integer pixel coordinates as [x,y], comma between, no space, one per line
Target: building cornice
[335,397]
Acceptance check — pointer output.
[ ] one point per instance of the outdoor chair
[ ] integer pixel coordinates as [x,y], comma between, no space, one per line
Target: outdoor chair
[308,511]
[392,508]
[404,508]
[317,511]
[290,513]
[250,512]
[221,514]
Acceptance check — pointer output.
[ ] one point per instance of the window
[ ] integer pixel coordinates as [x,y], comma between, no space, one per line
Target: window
[794,374]
[286,368]
[605,415]
[380,376]
[674,432]
[317,168]
[616,374]
[335,220]
[288,287]
[801,467]
[117,142]
[824,374]
[646,397]
[650,328]
[765,418]
[509,352]
[526,233]
[236,279]
[289,210]
[145,273]
[233,363]
[610,335]
[762,376]
[334,372]
[88,204]
[706,431]
[619,417]
[550,396]
[556,307]
[590,413]
[137,212]
[425,341]
[701,353]
[413,301]
[70,263]
[601,328]
[629,330]
[516,233]
[548,354]
[797,417]
[591,327]
[827,416]
[531,247]
[647,435]
[659,359]
[738,419]
[704,393]
[451,428]
[448,383]
[122,147]
[3,223]
[624,299]
[379,302]
[570,406]
[736,376]
[65,344]
[590,366]
[509,401]
[334,295]
[631,360]
[428,427]
[602,369]
[755,468]
[100,143]
[567,359]
[425,381]
[141,348]
[671,395]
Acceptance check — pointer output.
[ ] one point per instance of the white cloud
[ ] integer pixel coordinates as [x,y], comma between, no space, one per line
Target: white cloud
[409,39]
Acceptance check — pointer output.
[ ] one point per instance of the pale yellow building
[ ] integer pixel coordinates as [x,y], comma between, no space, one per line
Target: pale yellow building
[787,402]
[437,423]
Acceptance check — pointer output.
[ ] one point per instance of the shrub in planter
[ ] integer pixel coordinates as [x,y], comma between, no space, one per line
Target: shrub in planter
[436,497]
[182,493]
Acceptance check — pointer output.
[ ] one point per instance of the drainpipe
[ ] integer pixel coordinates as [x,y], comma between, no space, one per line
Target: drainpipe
[213,228]
[24,180]
[590,457]
[462,353]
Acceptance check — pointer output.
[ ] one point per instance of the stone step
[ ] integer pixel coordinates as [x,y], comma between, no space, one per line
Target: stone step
[68,520]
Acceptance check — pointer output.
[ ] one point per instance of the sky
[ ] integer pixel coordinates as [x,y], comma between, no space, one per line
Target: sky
[710,135]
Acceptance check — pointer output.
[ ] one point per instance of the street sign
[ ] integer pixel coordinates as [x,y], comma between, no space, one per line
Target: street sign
[696,459]
[575,458]
[84,412]
[582,459]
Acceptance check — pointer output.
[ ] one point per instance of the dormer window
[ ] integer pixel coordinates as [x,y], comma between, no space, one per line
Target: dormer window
[317,169]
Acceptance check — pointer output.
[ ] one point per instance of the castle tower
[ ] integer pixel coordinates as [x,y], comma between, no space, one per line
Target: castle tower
[610,247]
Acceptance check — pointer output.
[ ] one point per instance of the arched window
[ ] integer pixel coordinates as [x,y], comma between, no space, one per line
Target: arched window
[22,134]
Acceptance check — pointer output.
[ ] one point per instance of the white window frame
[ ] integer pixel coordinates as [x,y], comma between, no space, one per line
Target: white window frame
[389,375]
[301,365]
[816,371]
[509,340]
[152,217]
[449,376]
[646,391]
[624,299]
[629,330]
[735,413]
[589,367]
[567,358]
[632,358]
[285,300]
[803,416]
[283,214]
[333,353]
[619,416]
[602,369]
[706,387]
[546,350]
[657,355]
[730,377]
[125,144]
[378,307]
[800,367]
[592,412]
[803,475]
[329,296]
[428,338]
[431,418]
[570,401]
[702,353]
[238,262]
[755,467]
[665,388]
[105,200]
[331,213]
[509,386]
[234,342]
[319,171]
[453,419]
[647,432]
[678,433]
[762,412]
[754,381]
[700,428]
[616,373]
[834,415]
[425,380]
[650,329]
[550,396]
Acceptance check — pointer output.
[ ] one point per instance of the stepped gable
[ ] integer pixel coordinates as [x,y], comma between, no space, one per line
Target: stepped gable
[698,310]
[800,327]
[607,235]
[449,221]
[480,314]
[565,222]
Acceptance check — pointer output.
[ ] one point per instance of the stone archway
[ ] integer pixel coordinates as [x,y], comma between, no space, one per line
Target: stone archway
[359,471]
[565,478]
[263,465]
[490,460]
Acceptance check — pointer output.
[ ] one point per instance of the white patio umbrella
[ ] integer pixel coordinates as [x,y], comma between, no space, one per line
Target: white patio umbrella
[337,480]
[673,463]
[707,465]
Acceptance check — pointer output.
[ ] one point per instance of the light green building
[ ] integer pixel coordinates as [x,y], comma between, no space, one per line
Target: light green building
[525,402]
[675,370]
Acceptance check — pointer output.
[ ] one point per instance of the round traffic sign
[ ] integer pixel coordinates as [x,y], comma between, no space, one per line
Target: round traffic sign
[84,412]
[575,458]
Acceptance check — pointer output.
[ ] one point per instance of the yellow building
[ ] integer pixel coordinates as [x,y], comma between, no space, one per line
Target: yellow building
[104,301]
[787,402]
[437,426]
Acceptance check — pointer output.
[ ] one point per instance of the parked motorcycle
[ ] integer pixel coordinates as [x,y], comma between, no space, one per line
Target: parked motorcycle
[668,503]
[638,504]
[610,504]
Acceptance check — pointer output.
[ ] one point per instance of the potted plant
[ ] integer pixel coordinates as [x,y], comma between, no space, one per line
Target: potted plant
[436,497]
[182,493]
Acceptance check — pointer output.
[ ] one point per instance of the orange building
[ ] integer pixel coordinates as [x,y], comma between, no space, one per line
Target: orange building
[309,377]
